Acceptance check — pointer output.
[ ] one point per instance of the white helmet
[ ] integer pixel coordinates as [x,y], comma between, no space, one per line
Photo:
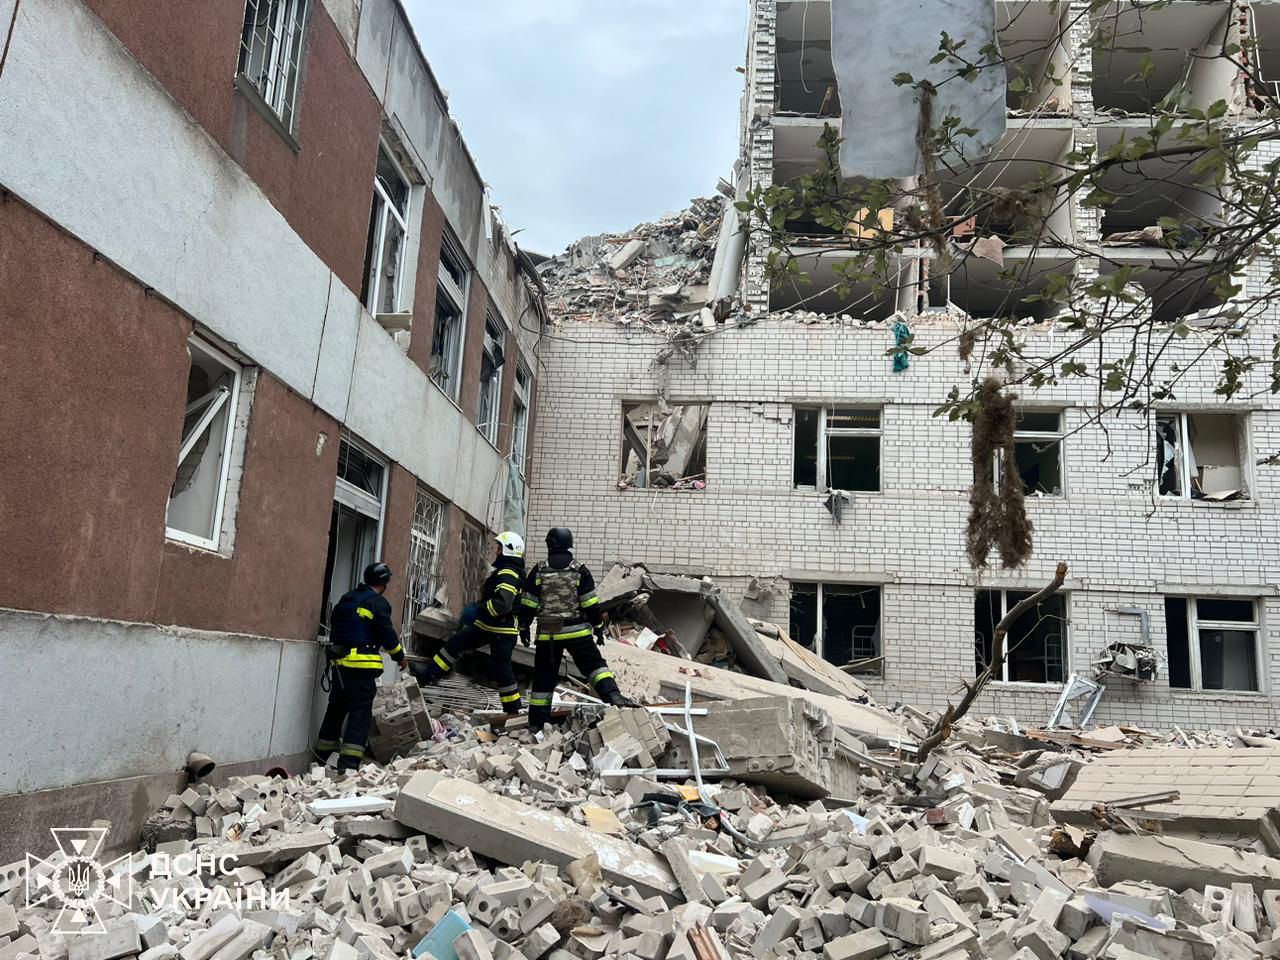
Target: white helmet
[512,544]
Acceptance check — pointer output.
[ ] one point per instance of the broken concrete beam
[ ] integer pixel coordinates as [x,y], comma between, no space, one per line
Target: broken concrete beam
[677,855]
[511,832]
[779,742]
[278,849]
[346,806]
[628,254]
[1179,864]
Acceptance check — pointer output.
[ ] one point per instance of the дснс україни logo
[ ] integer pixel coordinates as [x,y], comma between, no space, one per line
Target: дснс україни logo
[73,879]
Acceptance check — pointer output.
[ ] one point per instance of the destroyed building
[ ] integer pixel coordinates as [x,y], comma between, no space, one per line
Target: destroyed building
[699,420]
[267,326]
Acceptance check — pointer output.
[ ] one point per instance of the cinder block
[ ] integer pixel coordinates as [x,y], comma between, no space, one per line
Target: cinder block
[864,945]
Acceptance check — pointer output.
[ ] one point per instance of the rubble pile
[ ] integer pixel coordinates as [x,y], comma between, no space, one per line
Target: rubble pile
[657,273]
[699,830]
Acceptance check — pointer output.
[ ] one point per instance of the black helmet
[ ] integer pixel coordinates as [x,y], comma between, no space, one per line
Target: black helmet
[559,538]
[377,574]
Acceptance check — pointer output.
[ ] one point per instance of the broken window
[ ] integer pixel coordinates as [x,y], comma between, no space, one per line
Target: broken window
[490,380]
[520,421]
[426,554]
[355,525]
[1198,456]
[271,51]
[1212,643]
[837,448]
[1036,641]
[451,309]
[388,228]
[840,623]
[1037,447]
[198,496]
[664,445]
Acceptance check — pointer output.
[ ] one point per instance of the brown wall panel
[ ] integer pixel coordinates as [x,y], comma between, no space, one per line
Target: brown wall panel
[271,585]
[94,387]
[477,307]
[397,519]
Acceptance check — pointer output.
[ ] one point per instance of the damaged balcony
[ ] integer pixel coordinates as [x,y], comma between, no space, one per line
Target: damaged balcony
[984,289]
[1265,22]
[1147,190]
[998,191]
[1029,31]
[806,78]
[826,290]
[1037,61]
[1183,41]
[1173,289]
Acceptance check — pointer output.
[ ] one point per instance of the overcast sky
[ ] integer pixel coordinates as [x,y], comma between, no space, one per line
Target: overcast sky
[588,116]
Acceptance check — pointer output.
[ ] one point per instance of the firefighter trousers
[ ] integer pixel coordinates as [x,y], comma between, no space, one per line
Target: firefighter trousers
[470,638]
[546,672]
[349,716]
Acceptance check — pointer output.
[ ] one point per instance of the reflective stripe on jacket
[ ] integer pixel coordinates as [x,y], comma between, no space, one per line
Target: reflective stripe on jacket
[360,628]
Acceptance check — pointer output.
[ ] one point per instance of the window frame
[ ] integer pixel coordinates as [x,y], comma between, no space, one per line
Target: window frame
[1005,606]
[450,370]
[825,433]
[290,52]
[1182,422]
[387,208]
[231,401]
[490,392]
[520,420]
[819,634]
[1195,625]
[361,501]
[1045,437]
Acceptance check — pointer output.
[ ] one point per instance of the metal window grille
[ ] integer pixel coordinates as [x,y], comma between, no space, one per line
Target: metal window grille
[422,576]
[271,52]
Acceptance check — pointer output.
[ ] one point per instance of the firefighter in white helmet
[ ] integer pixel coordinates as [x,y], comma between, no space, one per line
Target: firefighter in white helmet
[491,621]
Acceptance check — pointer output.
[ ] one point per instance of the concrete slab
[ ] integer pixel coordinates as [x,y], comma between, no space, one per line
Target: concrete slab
[1179,864]
[645,675]
[780,743]
[1231,792]
[507,830]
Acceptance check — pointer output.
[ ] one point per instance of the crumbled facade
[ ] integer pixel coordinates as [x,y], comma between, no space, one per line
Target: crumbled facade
[826,495]
[267,328]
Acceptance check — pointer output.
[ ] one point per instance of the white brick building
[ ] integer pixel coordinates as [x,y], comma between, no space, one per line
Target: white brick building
[1194,578]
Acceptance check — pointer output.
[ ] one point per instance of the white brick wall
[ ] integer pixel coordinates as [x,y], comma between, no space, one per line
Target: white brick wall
[1123,549]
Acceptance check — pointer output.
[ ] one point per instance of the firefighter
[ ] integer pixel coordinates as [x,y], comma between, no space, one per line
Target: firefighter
[360,629]
[492,621]
[561,593]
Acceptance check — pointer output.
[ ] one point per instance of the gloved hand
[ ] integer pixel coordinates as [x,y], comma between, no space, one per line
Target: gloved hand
[524,636]
[600,635]
[404,664]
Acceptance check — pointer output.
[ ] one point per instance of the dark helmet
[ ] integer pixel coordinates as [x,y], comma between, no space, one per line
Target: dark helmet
[377,574]
[559,538]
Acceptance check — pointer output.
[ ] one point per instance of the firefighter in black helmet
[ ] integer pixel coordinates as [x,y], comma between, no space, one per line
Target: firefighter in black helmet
[561,593]
[360,629]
